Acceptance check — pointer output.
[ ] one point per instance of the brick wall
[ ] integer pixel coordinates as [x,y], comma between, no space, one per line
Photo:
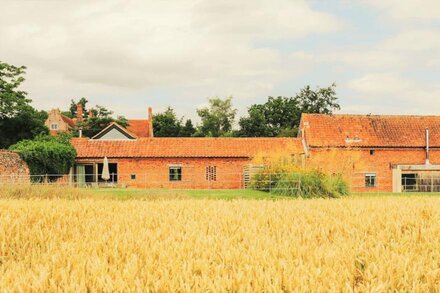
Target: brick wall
[155,173]
[12,168]
[354,163]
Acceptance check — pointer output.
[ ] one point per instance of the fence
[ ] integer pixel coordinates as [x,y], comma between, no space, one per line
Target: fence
[123,180]
[359,183]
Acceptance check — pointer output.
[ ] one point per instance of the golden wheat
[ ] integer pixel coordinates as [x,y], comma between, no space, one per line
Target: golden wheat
[351,244]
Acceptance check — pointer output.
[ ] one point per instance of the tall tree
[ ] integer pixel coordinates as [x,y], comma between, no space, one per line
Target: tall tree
[281,116]
[218,118]
[188,129]
[166,124]
[18,119]
[73,108]
[102,117]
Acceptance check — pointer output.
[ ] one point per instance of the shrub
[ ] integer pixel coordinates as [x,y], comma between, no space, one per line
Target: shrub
[47,154]
[299,183]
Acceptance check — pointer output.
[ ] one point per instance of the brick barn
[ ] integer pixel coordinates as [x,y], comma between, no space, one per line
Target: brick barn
[218,163]
[380,153]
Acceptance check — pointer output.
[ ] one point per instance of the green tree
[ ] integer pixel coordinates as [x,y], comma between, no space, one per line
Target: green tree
[166,124]
[218,118]
[47,154]
[102,117]
[281,116]
[18,119]
[73,107]
[188,129]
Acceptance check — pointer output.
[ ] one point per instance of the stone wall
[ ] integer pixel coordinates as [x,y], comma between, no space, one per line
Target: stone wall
[12,168]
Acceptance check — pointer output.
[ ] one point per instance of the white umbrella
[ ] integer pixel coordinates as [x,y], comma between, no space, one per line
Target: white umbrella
[105,171]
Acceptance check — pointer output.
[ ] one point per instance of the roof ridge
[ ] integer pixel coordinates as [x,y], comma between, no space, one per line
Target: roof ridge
[370,115]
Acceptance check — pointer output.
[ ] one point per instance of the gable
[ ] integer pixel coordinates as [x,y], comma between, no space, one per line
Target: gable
[114,132]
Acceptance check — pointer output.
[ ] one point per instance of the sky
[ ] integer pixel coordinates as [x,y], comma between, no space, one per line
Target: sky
[383,55]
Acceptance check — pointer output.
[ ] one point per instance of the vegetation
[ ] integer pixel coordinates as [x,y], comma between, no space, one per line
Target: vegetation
[102,117]
[18,119]
[386,244]
[166,124]
[283,174]
[217,119]
[281,116]
[47,154]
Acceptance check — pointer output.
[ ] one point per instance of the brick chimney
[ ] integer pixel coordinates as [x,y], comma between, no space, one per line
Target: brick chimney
[79,112]
[90,113]
[150,122]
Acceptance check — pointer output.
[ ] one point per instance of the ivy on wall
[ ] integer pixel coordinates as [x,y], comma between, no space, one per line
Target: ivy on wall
[47,154]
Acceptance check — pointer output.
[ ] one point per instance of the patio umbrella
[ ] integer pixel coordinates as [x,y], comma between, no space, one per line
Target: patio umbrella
[105,171]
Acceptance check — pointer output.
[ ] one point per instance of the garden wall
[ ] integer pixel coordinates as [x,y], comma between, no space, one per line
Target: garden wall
[12,168]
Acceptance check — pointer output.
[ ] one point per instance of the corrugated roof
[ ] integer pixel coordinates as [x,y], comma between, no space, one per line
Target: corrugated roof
[183,147]
[370,130]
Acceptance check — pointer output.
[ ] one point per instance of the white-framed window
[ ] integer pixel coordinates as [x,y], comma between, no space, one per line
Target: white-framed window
[54,126]
[370,180]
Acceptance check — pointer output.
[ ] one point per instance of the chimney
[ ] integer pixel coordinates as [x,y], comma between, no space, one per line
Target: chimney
[150,122]
[79,112]
[427,146]
[90,113]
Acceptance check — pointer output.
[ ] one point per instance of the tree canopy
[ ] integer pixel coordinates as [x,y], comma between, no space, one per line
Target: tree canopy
[281,116]
[218,118]
[18,119]
[102,117]
[166,124]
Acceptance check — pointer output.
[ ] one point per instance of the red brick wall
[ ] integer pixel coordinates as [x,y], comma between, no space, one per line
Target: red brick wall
[353,163]
[154,172]
[12,168]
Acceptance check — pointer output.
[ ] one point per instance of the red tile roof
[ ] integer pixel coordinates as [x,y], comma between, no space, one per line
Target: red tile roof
[141,128]
[183,147]
[370,130]
[68,120]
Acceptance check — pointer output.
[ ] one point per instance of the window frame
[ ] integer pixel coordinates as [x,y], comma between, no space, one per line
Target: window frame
[175,173]
[370,180]
[52,126]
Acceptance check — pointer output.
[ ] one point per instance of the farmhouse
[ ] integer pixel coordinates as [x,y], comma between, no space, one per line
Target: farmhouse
[380,153]
[56,122]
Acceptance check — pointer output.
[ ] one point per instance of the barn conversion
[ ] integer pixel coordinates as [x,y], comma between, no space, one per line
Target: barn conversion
[380,153]
[374,153]
[174,162]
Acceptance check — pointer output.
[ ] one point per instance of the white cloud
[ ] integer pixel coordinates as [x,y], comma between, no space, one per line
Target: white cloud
[376,84]
[408,10]
[86,48]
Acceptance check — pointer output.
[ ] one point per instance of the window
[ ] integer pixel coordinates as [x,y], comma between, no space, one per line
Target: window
[409,182]
[211,173]
[175,173]
[133,176]
[54,126]
[372,152]
[370,180]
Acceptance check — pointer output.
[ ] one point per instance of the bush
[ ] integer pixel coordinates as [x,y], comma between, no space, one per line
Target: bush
[47,154]
[300,183]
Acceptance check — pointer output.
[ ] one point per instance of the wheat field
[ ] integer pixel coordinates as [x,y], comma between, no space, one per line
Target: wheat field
[373,244]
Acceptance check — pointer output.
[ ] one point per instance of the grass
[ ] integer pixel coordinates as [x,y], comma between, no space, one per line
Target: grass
[54,239]
[227,194]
